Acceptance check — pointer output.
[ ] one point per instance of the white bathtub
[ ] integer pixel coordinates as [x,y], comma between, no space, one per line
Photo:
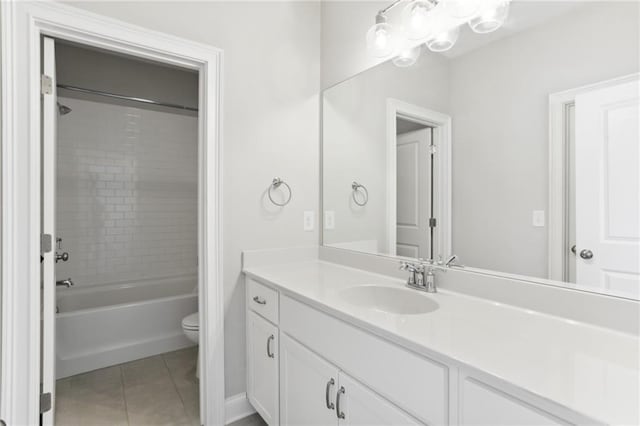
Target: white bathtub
[104,325]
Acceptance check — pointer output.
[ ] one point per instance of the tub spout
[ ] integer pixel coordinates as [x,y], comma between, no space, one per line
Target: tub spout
[66,283]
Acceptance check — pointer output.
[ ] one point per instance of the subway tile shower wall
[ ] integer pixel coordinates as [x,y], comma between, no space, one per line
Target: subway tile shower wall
[126,193]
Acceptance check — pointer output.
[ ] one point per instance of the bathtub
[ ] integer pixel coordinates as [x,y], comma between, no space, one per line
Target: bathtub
[104,325]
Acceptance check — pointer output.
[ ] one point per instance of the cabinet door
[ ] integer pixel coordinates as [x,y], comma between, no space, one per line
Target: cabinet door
[308,386]
[361,406]
[483,405]
[262,367]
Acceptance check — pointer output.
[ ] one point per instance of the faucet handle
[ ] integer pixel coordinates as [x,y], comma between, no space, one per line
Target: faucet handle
[451,261]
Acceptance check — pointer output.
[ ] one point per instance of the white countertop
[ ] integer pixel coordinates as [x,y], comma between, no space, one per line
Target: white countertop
[591,370]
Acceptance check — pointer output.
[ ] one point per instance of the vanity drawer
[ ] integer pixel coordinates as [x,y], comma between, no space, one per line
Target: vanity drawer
[412,382]
[262,300]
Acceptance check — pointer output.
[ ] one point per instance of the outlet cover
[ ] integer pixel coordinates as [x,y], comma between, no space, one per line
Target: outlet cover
[309,220]
[329,219]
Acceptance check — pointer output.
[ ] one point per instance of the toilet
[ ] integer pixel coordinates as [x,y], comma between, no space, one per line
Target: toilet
[191,329]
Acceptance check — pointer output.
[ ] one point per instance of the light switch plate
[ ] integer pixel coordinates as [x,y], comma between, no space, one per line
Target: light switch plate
[538,218]
[329,219]
[309,220]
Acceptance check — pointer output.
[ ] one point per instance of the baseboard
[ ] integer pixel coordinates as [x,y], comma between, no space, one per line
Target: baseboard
[237,407]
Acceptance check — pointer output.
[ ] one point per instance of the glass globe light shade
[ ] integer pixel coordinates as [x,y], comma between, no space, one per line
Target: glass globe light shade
[444,40]
[381,40]
[415,19]
[462,9]
[491,16]
[407,56]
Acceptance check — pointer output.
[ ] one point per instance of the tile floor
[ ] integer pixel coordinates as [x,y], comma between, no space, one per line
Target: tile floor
[160,390]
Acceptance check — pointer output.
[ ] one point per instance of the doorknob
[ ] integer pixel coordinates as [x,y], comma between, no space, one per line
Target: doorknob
[586,254]
[573,249]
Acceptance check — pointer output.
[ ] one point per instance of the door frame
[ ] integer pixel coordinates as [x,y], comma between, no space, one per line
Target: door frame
[441,124]
[22,25]
[558,179]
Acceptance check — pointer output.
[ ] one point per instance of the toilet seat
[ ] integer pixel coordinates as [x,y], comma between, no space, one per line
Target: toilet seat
[191,322]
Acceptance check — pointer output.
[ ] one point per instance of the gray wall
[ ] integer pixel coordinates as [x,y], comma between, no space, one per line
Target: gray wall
[107,72]
[270,126]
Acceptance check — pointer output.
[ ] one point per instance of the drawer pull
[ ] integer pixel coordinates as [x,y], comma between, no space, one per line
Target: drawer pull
[269,353]
[259,301]
[330,383]
[339,413]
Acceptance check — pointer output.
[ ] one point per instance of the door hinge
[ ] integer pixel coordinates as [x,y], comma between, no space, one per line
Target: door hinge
[432,222]
[433,149]
[45,243]
[46,85]
[45,402]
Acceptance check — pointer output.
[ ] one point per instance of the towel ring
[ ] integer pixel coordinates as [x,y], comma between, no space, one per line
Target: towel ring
[356,188]
[275,184]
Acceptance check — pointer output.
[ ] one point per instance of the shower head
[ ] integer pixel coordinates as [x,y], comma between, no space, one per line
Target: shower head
[63,109]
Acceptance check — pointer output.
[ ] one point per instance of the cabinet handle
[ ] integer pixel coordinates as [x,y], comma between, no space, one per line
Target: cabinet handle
[269,353]
[259,301]
[339,413]
[330,383]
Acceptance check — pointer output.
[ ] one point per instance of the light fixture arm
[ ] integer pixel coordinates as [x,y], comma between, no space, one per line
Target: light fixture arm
[382,12]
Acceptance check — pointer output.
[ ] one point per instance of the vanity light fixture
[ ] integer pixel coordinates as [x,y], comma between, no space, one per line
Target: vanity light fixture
[491,16]
[435,23]
[381,40]
[444,40]
[416,18]
[462,9]
[407,56]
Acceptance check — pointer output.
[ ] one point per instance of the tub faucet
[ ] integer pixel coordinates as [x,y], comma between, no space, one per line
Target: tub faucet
[66,283]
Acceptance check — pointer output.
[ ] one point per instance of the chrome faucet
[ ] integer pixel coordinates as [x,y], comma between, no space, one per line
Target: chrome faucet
[416,279]
[423,275]
[66,283]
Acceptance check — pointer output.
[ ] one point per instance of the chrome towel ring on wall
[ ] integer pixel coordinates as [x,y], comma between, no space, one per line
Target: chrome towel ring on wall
[275,184]
[359,188]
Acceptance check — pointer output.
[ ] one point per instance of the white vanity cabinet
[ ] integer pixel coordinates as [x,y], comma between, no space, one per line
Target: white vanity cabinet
[263,352]
[315,392]
[481,404]
[308,367]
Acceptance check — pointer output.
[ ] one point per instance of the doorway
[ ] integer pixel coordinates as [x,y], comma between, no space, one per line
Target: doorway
[415,214]
[418,181]
[594,234]
[27,391]
[120,199]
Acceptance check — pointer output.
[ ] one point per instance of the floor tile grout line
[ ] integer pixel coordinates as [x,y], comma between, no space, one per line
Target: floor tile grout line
[124,395]
[175,386]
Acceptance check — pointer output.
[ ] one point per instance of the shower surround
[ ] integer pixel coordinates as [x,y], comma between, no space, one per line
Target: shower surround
[127,204]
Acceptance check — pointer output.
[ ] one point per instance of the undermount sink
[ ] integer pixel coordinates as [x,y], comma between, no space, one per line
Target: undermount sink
[391,300]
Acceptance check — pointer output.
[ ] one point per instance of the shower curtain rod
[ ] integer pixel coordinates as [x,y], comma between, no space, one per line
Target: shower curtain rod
[123,97]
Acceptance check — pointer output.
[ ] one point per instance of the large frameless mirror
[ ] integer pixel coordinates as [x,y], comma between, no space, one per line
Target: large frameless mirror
[516,150]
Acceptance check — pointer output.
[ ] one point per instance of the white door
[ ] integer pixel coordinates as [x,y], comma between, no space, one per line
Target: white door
[358,405]
[262,368]
[413,191]
[308,386]
[49,117]
[608,189]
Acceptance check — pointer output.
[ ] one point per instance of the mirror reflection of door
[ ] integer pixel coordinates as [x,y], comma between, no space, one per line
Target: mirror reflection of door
[414,190]
[607,185]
